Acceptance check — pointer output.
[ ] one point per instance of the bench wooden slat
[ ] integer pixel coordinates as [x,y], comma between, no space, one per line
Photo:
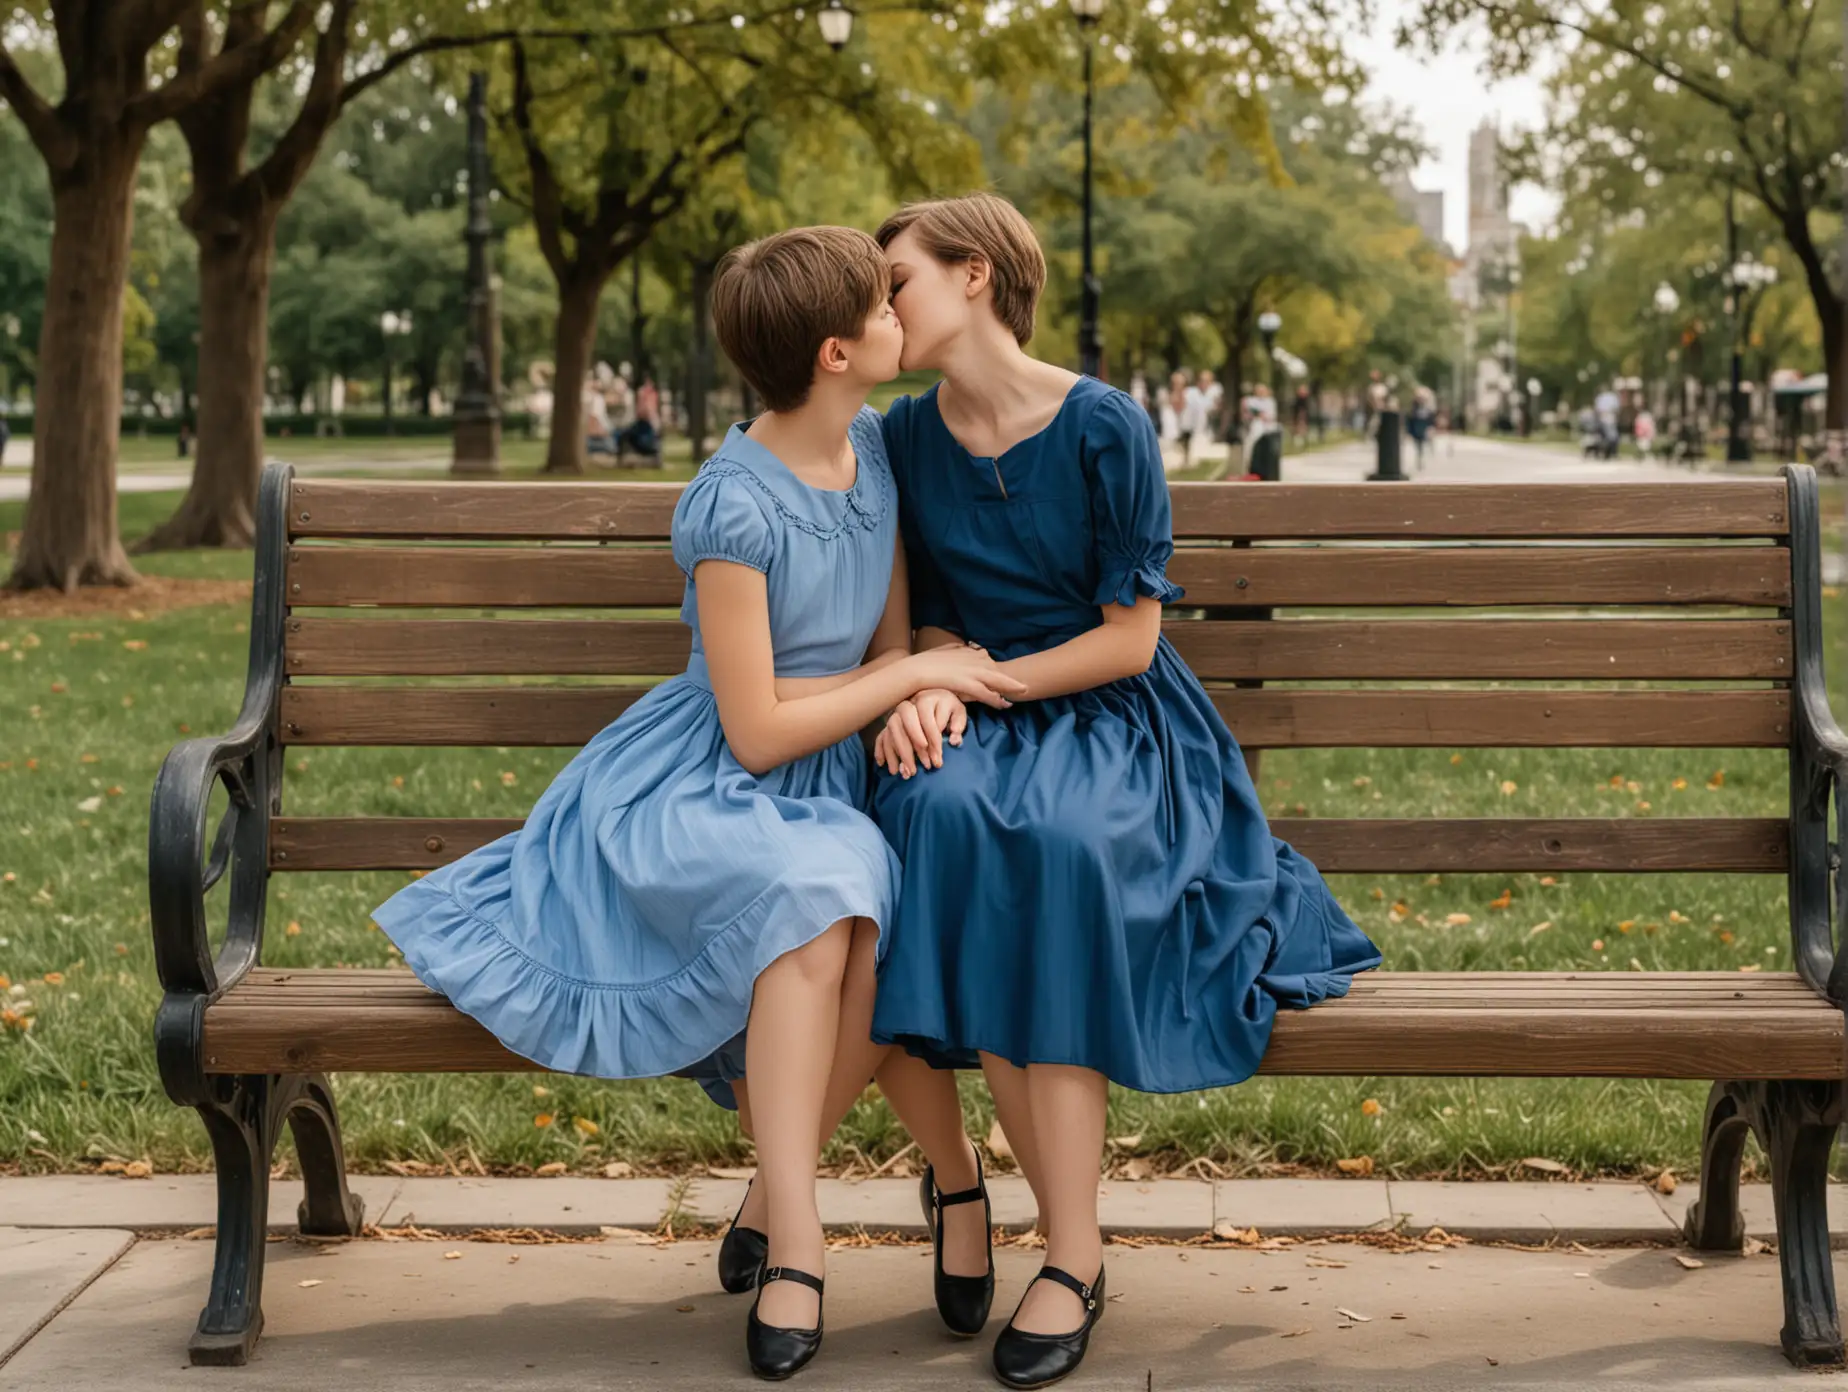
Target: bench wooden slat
[489,577]
[1338,845]
[1645,1025]
[1324,650]
[1399,718]
[642,511]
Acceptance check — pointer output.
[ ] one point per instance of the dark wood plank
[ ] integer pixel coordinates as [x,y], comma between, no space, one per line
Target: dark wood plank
[1475,576]
[1368,650]
[386,647]
[563,509]
[1339,845]
[1349,576]
[1753,1027]
[538,510]
[1399,718]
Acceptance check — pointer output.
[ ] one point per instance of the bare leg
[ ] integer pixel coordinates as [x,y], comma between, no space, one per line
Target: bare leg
[795,1014]
[1068,1106]
[923,1097]
[1008,1086]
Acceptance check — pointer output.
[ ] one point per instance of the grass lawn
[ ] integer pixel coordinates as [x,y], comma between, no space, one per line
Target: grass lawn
[94,700]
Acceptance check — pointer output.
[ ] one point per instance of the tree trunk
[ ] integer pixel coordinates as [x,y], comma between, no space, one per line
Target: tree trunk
[574,339]
[699,357]
[1829,310]
[71,536]
[219,509]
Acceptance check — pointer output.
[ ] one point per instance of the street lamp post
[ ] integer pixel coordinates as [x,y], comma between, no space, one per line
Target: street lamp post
[392,324]
[477,436]
[1745,278]
[836,22]
[1090,344]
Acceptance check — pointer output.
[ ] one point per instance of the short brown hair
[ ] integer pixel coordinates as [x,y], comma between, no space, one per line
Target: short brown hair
[986,225]
[778,299]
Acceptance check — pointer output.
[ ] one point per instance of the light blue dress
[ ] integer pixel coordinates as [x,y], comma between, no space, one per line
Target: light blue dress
[619,933]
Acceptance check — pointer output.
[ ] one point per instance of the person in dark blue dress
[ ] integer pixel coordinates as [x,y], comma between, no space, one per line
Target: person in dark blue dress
[1089,889]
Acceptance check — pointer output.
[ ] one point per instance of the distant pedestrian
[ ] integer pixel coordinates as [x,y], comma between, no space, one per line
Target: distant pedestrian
[1418,424]
[1644,428]
[1173,407]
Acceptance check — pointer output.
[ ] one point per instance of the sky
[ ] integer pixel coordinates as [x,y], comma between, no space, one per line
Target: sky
[1448,96]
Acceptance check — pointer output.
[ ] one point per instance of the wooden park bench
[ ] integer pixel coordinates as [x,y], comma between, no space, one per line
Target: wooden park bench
[1728,656]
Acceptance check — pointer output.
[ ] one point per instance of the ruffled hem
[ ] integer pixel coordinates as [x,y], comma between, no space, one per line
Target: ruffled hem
[1122,584]
[604,1029]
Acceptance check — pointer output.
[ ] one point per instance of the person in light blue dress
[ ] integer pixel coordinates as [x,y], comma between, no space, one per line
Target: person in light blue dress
[1089,889]
[706,861]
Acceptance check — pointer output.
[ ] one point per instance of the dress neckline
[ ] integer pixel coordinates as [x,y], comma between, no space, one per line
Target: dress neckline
[740,432]
[1065,405]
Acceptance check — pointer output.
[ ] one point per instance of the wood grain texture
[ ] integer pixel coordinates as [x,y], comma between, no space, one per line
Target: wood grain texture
[642,511]
[1401,718]
[1594,1025]
[1283,650]
[1338,845]
[499,577]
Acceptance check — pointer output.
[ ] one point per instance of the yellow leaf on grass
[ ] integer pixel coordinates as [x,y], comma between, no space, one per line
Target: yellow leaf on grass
[1718,780]
[1502,900]
[1540,927]
[86,758]
[294,930]
[1370,1107]
[1597,944]
[543,1120]
[541,1090]
[1456,920]
[1679,784]
[135,644]
[1509,787]
[585,1125]
[509,778]
[1751,966]
[1548,881]
[1456,758]
[54,978]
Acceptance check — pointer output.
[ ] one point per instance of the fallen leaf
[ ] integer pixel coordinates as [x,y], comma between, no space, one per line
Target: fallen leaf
[1548,881]
[543,1120]
[1691,1263]
[1293,1334]
[1542,1164]
[136,644]
[1597,944]
[1503,900]
[89,804]
[1751,967]
[1665,1182]
[509,779]
[137,1169]
[1679,784]
[1328,1262]
[1349,1314]
[541,1090]
[618,1169]
[1456,920]
[1228,1231]
[1754,1246]
[294,930]
[1126,1142]
[1540,927]
[555,1167]
[585,1125]
[452,1256]
[1247,1290]
[1361,1165]
[1370,1107]
[54,978]
[1718,780]
[684,1309]
[1456,758]
[310,1282]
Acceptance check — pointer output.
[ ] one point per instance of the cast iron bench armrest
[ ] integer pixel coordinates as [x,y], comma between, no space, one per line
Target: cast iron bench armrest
[180,874]
[1819,759]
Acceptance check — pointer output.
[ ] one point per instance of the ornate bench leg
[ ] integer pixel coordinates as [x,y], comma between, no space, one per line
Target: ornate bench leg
[244,1120]
[1796,1123]
[1714,1223]
[328,1208]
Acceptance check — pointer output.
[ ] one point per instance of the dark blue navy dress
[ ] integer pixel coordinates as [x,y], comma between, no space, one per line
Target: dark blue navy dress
[1088,879]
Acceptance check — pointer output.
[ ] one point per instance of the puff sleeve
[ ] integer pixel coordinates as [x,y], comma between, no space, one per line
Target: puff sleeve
[721,518]
[1131,517]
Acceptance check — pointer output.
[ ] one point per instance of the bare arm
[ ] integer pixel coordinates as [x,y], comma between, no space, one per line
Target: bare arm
[1122,646]
[764,730]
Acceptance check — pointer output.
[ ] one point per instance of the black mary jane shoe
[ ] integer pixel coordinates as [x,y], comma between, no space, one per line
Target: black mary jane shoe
[742,1254]
[1039,1360]
[962,1301]
[777,1353]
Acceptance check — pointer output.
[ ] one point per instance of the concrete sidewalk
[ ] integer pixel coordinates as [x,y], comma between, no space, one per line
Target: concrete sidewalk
[618,1314]
[1171,1209]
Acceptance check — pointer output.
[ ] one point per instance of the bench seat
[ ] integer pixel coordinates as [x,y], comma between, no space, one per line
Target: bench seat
[1616,1024]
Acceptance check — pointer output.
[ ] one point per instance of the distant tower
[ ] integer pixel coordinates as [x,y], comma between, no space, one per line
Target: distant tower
[1491,232]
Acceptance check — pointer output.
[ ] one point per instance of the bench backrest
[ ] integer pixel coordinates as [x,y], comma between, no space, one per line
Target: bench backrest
[1520,585]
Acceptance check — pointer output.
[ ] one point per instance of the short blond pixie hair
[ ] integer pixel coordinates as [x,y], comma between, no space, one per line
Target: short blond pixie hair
[985,225]
[778,299]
